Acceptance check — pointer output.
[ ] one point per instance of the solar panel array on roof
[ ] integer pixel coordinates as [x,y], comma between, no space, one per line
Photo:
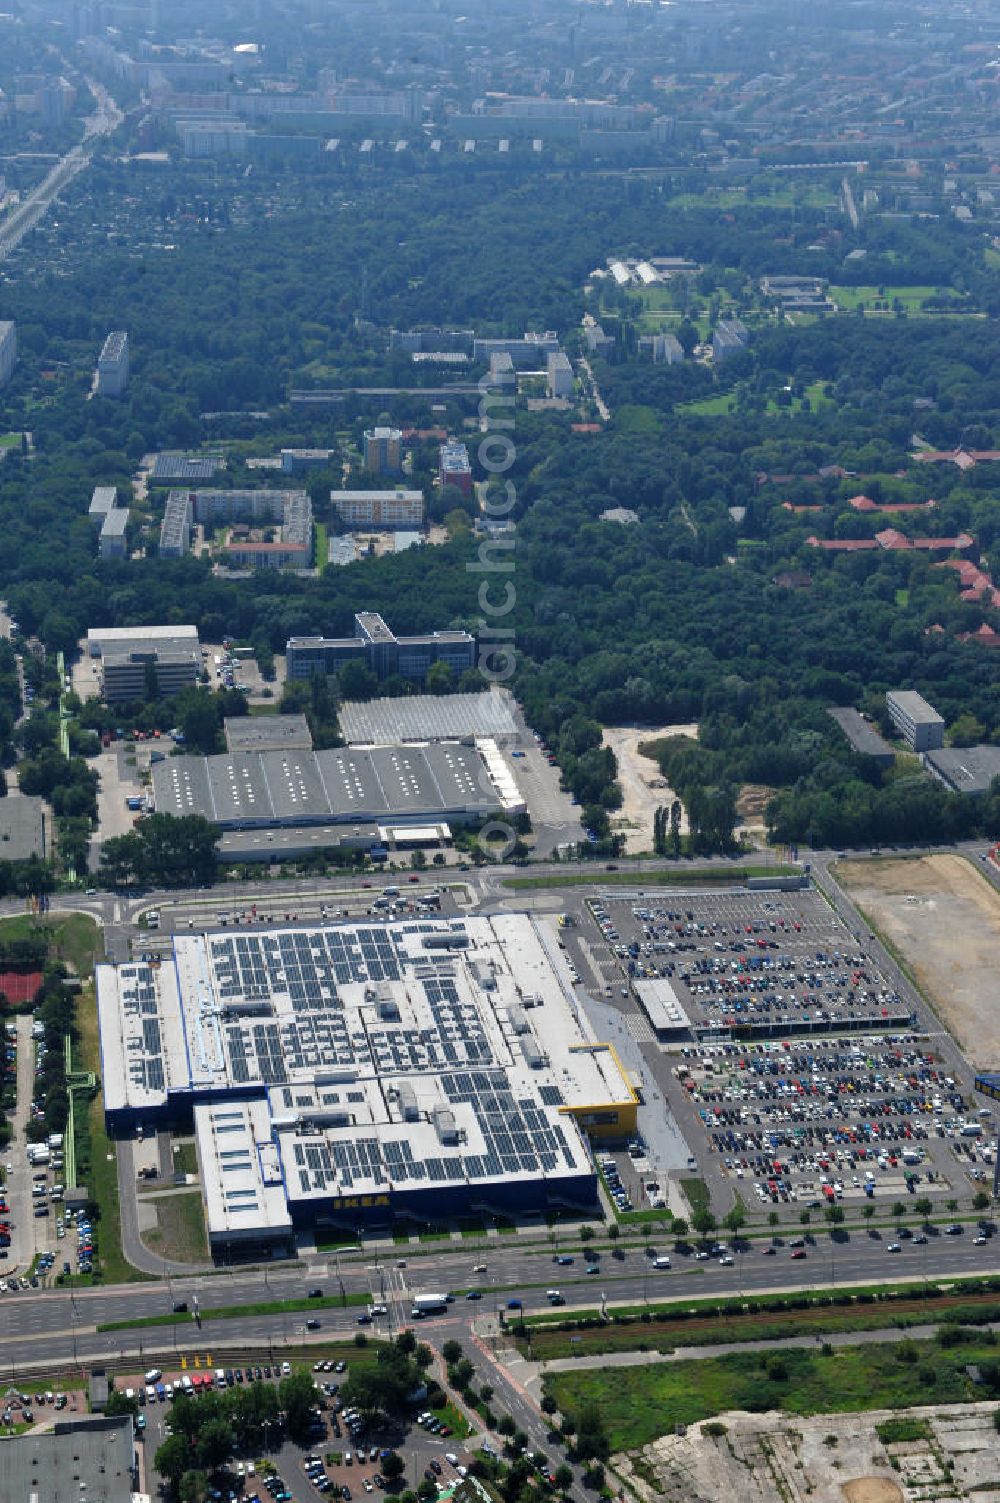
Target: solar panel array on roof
[144,1062]
[518,1137]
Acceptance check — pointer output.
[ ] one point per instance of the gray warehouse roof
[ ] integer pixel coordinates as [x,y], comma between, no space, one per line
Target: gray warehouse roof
[428,717]
[54,1467]
[179,468]
[964,769]
[22,827]
[343,785]
[862,735]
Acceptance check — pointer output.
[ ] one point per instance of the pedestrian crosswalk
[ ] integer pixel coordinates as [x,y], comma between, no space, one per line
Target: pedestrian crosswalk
[639,1029]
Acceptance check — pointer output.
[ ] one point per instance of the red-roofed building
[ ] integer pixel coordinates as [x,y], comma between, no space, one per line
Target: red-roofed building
[865,503]
[893,539]
[977,584]
[985,636]
[802,508]
[842,545]
[965,459]
[951,545]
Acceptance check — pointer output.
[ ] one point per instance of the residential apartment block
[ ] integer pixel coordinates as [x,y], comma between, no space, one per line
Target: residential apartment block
[379,509]
[383,451]
[113,542]
[113,365]
[559,376]
[919,724]
[8,350]
[454,467]
[175,529]
[291,510]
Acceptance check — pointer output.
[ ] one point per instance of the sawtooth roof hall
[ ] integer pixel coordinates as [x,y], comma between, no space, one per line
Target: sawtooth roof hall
[247,790]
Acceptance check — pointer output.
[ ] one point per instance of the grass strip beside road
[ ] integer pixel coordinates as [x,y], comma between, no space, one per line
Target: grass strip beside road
[240,1312]
[726,1306]
[656,877]
[639,1404]
[640,1329]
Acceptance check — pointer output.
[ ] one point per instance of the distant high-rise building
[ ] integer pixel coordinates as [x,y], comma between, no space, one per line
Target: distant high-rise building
[730,336]
[113,365]
[383,451]
[8,350]
[559,379]
[454,467]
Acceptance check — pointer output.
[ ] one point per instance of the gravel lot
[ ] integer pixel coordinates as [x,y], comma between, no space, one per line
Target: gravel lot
[944,919]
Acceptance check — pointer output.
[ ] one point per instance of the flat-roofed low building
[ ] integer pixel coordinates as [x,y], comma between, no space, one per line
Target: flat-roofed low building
[296,461]
[348,1074]
[919,724]
[430,717]
[663,1008]
[90,1457]
[963,769]
[289,787]
[249,733]
[863,736]
[22,827]
[129,654]
[184,469]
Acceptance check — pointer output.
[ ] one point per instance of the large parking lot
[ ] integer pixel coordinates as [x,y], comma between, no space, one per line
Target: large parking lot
[838,1118]
[345,1454]
[746,964]
[796,1066]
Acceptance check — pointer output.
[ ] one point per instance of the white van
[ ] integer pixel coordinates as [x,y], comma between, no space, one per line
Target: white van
[154,1375]
[661,1262]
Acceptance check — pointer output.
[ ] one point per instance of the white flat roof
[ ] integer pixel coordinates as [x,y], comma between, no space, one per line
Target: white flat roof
[126,636]
[378,1056]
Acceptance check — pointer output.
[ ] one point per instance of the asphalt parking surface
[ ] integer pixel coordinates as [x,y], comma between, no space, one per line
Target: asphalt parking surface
[812,1077]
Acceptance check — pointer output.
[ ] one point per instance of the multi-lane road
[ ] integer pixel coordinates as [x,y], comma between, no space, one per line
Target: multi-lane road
[26,215]
[55,1325]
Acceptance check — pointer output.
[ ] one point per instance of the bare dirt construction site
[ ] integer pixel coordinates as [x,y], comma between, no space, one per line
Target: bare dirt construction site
[943,917]
[643,788]
[830,1458]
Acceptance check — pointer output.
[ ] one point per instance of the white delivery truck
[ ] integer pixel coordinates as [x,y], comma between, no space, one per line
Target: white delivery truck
[429,1303]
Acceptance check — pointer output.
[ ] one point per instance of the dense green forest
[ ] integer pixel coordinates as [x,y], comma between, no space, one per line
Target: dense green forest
[234,292]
